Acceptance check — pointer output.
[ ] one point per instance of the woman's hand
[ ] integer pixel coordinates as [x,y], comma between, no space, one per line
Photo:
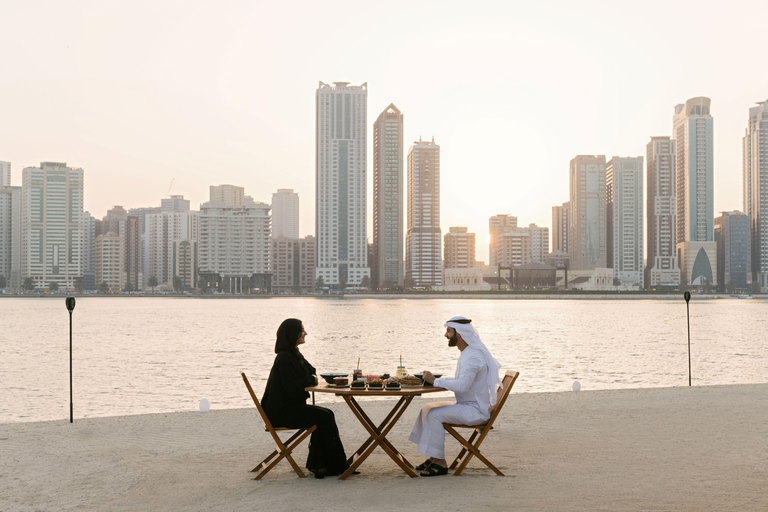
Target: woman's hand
[316,381]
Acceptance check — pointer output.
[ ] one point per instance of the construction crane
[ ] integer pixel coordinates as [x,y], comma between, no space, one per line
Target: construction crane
[168,194]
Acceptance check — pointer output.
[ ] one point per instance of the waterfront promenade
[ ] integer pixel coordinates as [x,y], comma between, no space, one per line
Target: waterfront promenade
[672,449]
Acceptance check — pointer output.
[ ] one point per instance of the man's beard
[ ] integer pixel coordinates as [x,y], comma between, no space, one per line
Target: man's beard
[453,340]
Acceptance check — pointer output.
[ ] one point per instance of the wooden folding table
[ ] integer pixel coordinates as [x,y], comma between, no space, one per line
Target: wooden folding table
[377,433]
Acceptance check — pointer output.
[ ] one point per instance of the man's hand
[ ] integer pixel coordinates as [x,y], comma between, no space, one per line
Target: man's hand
[428,377]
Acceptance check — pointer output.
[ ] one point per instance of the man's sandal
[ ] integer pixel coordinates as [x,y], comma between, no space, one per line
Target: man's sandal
[434,470]
[424,465]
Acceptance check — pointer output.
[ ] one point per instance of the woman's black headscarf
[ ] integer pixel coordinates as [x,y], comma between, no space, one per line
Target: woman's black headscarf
[288,334]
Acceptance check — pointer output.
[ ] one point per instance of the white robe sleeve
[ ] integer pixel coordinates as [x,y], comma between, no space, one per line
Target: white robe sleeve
[466,376]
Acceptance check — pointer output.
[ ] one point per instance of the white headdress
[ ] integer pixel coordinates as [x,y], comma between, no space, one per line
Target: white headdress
[470,335]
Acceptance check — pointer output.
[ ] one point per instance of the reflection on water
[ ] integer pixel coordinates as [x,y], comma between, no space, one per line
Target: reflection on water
[142,355]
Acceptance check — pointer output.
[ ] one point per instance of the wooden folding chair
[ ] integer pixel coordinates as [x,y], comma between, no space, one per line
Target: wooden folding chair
[471,447]
[283,450]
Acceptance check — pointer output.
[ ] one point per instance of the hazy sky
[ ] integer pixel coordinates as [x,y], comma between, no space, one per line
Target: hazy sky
[210,92]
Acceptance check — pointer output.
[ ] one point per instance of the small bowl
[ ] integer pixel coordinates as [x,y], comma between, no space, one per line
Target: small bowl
[329,376]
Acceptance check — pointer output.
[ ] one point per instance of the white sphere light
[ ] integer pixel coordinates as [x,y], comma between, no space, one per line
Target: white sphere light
[576,385]
[205,405]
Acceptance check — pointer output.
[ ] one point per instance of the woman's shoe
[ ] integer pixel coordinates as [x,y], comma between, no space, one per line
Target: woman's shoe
[321,473]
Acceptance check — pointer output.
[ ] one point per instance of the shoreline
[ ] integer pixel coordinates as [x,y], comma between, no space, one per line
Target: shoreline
[413,296]
[678,448]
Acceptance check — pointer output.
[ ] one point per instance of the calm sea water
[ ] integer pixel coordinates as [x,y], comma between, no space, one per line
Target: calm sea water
[144,355]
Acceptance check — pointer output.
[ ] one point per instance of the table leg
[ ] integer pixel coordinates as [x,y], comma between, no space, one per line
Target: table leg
[370,422]
[378,436]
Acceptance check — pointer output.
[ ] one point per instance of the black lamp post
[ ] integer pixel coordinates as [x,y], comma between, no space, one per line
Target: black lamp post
[70,306]
[687,296]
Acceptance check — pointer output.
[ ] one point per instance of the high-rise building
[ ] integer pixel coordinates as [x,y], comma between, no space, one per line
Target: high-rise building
[624,219]
[755,173]
[560,228]
[234,244]
[515,248]
[10,236]
[141,214]
[52,224]
[694,171]
[162,231]
[661,267]
[227,195]
[459,251]
[285,214]
[340,167]
[423,248]
[184,264]
[174,204]
[119,222]
[733,239]
[89,252]
[5,174]
[108,261]
[387,261]
[587,230]
[539,242]
[293,265]
[497,226]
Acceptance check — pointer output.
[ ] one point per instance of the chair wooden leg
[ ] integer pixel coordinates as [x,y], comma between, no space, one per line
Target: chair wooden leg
[287,442]
[285,453]
[463,451]
[472,449]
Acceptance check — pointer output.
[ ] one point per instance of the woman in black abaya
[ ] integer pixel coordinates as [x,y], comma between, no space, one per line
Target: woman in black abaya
[285,402]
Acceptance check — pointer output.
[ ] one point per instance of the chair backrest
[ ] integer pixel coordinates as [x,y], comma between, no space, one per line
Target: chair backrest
[258,404]
[502,393]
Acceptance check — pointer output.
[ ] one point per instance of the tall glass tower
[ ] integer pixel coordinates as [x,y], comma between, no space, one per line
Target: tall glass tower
[340,183]
[387,264]
[755,170]
[695,216]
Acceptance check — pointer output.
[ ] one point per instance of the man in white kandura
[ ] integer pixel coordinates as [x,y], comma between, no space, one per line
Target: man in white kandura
[475,384]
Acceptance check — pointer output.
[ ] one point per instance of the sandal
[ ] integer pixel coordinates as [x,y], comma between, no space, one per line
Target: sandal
[424,465]
[434,470]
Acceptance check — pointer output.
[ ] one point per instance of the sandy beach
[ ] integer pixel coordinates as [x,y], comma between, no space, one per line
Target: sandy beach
[701,448]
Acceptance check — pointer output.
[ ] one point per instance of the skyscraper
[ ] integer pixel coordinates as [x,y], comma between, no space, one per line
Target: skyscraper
[162,231]
[5,174]
[387,261]
[52,224]
[10,236]
[497,226]
[423,250]
[587,230]
[732,236]
[118,222]
[661,267]
[229,195]
[285,214]
[89,252]
[560,227]
[108,261]
[340,178]
[459,248]
[755,171]
[234,243]
[624,219]
[694,170]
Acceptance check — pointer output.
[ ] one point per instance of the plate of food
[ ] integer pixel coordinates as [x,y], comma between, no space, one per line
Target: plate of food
[338,385]
[411,381]
[375,384]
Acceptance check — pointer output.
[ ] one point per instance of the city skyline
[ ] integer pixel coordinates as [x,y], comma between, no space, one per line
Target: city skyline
[126,111]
